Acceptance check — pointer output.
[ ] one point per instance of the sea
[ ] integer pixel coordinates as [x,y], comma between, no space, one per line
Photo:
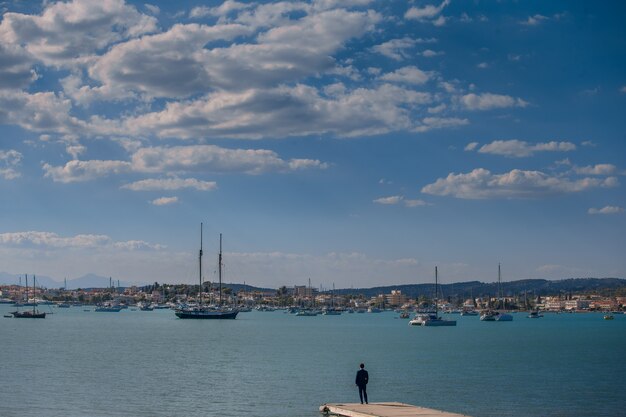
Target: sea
[275,364]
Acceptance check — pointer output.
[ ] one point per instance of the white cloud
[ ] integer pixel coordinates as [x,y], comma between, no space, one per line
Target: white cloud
[415,203]
[408,75]
[284,112]
[210,158]
[428,53]
[15,66]
[54,241]
[534,20]
[76,171]
[154,9]
[428,13]
[488,101]
[224,9]
[397,199]
[589,144]
[164,201]
[514,148]
[437,109]
[606,210]
[429,123]
[623,89]
[391,200]
[483,65]
[395,48]
[182,61]
[67,33]
[171,184]
[471,146]
[9,162]
[599,169]
[482,184]
[38,112]
[180,159]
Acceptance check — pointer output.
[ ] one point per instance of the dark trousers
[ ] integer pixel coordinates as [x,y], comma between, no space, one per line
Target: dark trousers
[363,393]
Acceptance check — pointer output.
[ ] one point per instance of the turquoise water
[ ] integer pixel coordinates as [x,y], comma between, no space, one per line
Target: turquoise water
[136,363]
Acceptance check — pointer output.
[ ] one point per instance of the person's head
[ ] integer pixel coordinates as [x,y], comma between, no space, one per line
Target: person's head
[362,366]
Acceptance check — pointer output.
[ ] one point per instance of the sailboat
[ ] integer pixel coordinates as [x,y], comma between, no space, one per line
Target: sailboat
[491,315]
[502,316]
[29,314]
[432,319]
[332,311]
[208,312]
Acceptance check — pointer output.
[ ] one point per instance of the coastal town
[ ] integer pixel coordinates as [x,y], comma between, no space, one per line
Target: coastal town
[247,297]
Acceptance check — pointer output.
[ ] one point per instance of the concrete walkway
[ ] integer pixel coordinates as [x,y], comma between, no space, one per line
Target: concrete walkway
[391,409]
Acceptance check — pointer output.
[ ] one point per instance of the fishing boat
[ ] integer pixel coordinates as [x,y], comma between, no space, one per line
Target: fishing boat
[29,314]
[608,317]
[534,315]
[202,311]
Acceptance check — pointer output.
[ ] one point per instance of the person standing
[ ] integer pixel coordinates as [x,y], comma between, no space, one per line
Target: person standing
[362,377]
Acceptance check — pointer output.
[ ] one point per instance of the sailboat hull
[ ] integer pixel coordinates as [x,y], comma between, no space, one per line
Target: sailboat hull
[206,314]
[438,322]
[28,315]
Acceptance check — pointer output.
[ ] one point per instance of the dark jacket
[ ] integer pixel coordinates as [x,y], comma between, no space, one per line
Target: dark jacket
[361,378]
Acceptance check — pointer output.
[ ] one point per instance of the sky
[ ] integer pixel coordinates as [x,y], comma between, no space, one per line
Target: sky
[356,143]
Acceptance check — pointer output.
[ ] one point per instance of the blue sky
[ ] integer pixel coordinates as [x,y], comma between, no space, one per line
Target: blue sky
[352,142]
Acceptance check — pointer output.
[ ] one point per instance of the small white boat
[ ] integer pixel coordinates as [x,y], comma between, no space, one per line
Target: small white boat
[419,319]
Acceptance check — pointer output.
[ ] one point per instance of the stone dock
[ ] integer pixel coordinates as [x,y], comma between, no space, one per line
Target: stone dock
[386,409]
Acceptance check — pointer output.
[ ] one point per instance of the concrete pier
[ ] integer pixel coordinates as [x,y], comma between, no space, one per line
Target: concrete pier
[387,409]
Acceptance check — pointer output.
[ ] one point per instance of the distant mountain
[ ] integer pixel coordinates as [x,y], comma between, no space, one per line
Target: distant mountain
[92,281]
[86,281]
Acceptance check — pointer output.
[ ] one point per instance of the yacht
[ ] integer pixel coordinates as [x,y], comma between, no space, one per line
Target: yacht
[432,319]
[208,312]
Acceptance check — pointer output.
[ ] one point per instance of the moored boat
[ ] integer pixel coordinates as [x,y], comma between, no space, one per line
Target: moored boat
[29,314]
[202,311]
[432,319]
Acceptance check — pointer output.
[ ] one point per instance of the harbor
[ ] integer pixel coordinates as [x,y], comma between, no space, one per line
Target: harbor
[272,363]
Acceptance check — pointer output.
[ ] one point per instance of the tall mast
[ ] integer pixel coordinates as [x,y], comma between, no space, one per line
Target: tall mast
[436,306]
[34,292]
[219,268]
[27,289]
[200,269]
[499,288]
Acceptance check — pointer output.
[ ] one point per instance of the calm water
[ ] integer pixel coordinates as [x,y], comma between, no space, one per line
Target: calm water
[136,363]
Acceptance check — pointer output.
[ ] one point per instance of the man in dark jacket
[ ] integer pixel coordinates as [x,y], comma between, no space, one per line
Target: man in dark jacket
[362,377]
